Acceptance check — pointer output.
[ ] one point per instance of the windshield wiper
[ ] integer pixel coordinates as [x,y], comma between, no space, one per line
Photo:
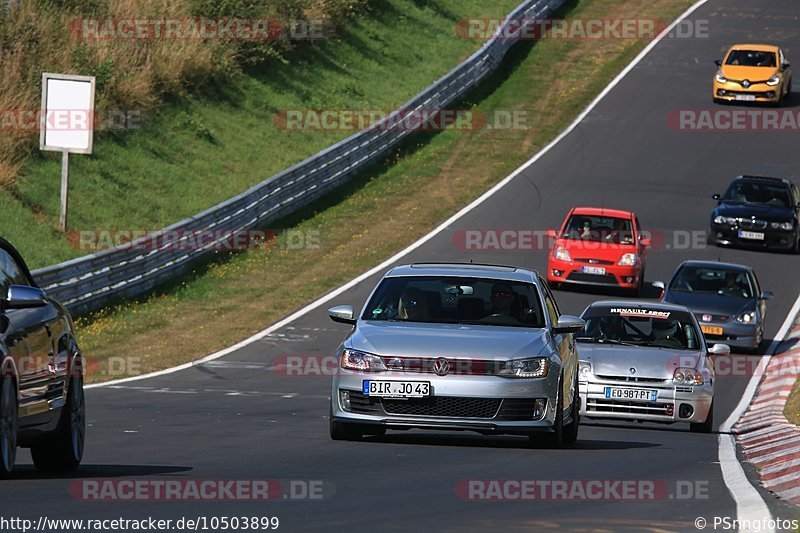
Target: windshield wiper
[604,341]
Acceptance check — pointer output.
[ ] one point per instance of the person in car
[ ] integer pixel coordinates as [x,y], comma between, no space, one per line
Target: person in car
[664,332]
[413,306]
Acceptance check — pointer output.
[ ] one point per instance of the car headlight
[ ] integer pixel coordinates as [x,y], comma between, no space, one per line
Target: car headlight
[562,254]
[720,78]
[724,220]
[747,318]
[584,370]
[786,226]
[687,376]
[525,368]
[361,361]
[774,80]
[628,260]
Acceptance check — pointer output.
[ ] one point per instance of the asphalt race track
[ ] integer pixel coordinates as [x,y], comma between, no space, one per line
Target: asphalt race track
[238,418]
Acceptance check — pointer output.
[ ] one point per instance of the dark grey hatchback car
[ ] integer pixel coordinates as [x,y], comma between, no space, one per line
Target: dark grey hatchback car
[41,392]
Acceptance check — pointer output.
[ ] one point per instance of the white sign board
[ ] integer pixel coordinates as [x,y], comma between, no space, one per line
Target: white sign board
[67,116]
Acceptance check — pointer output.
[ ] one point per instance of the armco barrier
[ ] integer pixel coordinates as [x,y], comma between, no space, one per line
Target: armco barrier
[88,283]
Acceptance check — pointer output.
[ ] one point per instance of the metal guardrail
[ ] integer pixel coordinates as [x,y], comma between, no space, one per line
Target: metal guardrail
[88,283]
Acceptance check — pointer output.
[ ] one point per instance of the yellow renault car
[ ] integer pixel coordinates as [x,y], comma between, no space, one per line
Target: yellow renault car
[753,73]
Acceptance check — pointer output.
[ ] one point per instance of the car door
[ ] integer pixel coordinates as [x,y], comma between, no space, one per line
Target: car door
[30,345]
[639,239]
[760,302]
[565,344]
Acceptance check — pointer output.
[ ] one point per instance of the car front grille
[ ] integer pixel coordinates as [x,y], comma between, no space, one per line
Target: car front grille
[506,409]
[594,405]
[714,318]
[632,379]
[592,261]
[444,407]
[580,277]
[749,223]
[424,365]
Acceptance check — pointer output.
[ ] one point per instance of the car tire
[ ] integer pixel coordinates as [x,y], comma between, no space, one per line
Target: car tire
[342,430]
[704,427]
[63,451]
[9,425]
[571,429]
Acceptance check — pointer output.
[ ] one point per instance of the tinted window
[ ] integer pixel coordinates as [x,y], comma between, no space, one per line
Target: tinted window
[599,229]
[10,273]
[710,280]
[456,301]
[751,58]
[759,193]
[640,327]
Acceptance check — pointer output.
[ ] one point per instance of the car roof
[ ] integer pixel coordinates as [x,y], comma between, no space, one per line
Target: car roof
[638,304]
[755,47]
[716,264]
[468,270]
[767,179]
[602,211]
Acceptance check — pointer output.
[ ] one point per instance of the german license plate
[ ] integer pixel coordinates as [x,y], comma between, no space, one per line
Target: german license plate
[593,270]
[619,393]
[752,235]
[397,389]
[746,97]
[711,330]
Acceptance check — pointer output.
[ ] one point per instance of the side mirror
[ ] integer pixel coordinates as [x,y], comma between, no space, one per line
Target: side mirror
[716,196]
[719,349]
[646,242]
[24,297]
[787,65]
[343,314]
[718,62]
[552,233]
[659,285]
[568,324]
[766,295]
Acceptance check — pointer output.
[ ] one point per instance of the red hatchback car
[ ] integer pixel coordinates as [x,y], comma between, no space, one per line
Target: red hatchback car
[596,246]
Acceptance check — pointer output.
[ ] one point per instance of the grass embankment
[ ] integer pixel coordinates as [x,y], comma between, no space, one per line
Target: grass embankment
[216,141]
[377,214]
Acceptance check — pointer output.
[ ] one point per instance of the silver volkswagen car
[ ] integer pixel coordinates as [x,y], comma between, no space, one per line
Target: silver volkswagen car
[457,347]
[646,362]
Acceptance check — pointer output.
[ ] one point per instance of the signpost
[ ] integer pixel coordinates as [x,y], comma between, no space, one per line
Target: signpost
[66,122]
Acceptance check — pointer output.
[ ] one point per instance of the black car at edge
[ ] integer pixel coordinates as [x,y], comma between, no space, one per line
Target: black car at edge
[41,387]
[758,212]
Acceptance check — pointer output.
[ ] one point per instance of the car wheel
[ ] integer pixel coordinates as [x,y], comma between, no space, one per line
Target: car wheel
[704,427]
[9,425]
[571,429]
[342,430]
[63,451]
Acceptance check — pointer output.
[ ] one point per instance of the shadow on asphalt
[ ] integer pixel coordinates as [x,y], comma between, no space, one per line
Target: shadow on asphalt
[480,441]
[680,427]
[95,471]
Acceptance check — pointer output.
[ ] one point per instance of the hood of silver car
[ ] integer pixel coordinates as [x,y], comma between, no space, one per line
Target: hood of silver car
[609,360]
[447,340]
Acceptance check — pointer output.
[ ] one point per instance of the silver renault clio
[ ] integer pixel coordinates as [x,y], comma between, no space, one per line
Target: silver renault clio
[458,347]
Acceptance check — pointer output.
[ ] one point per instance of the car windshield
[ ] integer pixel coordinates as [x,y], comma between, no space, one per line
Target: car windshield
[758,193]
[639,327]
[452,300]
[710,280]
[751,58]
[599,229]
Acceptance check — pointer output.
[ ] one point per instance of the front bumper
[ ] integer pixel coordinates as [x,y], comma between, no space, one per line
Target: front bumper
[486,404]
[734,334]
[726,235]
[671,401]
[625,277]
[757,92]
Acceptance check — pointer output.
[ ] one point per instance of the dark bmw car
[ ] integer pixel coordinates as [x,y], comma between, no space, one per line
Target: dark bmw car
[726,298]
[758,212]
[41,389]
